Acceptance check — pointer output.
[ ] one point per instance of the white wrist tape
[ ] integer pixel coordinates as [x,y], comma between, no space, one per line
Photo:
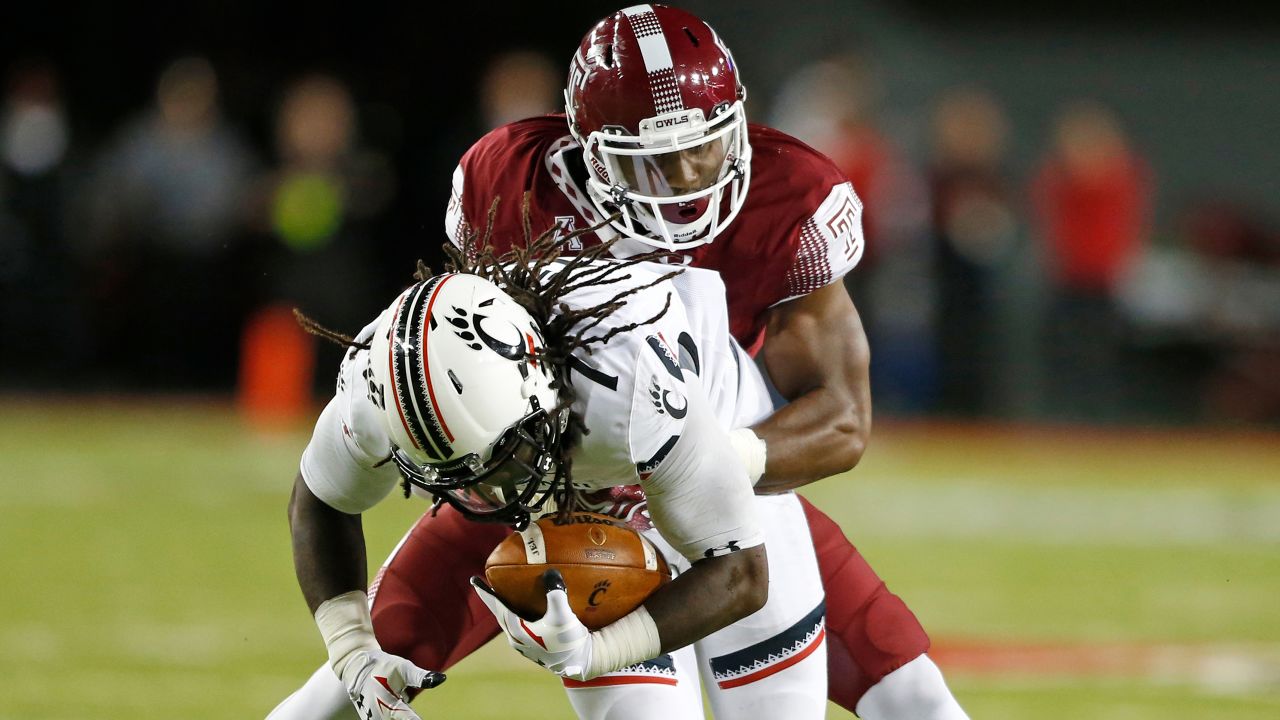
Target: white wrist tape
[346,627]
[632,639]
[752,451]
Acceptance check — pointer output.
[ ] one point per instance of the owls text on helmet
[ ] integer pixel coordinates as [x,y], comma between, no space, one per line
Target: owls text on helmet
[655,101]
[467,402]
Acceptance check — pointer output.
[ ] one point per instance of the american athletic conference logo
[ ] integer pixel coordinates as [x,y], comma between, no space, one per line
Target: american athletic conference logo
[565,225]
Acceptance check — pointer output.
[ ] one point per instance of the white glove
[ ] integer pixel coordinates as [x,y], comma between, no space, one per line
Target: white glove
[375,680]
[557,641]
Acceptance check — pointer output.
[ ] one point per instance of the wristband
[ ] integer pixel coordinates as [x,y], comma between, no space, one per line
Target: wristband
[751,450]
[346,626]
[631,639]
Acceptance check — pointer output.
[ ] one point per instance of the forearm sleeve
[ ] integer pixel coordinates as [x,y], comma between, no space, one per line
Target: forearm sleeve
[700,497]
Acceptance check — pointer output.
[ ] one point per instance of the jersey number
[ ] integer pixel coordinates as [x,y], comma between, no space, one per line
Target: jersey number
[689,359]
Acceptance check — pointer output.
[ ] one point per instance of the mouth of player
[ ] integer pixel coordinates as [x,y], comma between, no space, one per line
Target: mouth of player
[686,211]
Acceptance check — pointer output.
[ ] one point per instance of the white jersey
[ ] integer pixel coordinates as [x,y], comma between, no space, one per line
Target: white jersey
[633,390]
[681,376]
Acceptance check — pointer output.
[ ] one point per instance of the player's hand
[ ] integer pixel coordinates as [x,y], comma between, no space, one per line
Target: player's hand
[376,682]
[557,641]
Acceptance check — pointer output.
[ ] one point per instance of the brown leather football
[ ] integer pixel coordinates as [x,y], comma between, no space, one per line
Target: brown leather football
[608,568]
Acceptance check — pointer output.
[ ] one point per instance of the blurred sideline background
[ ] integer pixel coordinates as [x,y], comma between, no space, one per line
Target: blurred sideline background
[1072,290]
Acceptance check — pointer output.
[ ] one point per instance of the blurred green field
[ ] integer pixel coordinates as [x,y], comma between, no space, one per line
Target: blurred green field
[1102,574]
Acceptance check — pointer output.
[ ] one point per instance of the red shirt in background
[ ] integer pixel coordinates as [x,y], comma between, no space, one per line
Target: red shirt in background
[1094,219]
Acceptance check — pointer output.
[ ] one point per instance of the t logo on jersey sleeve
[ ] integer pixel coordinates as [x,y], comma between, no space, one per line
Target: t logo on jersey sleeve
[831,243]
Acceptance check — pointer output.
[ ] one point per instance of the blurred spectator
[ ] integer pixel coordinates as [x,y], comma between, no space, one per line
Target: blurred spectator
[165,237]
[321,204]
[37,309]
[517,85]
[175,178]
[831,105]
[33,135]
[1228,230]
[974,230]
[1207,314]
[1092,197]
[514,85]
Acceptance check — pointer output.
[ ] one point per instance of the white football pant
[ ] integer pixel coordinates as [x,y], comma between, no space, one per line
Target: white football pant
[771,664]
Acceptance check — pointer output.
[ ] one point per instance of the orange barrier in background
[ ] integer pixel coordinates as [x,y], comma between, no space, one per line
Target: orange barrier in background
[277,366]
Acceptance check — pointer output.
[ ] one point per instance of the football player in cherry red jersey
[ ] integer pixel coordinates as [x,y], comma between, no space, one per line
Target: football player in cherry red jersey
[657,149]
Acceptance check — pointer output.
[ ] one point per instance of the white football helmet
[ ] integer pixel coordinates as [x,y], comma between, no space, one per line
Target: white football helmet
[467,401]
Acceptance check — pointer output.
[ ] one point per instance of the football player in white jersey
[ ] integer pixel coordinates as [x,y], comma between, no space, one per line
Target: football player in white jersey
[796,234]
[472,393]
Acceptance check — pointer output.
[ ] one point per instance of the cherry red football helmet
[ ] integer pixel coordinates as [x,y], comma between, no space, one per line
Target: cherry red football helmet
[655,101]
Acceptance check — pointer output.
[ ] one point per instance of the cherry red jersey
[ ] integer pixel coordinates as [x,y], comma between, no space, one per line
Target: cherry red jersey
[799,229]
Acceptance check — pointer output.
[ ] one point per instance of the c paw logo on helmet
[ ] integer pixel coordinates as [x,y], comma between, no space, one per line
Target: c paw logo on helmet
[499,335]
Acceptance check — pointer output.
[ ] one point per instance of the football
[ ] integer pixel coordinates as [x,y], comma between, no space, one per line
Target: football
[609,569]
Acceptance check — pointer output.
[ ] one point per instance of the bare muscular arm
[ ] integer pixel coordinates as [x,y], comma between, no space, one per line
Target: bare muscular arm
[817,356]
[328,547]
[714,593]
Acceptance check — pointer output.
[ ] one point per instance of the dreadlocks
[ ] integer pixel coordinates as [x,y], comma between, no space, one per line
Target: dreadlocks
[333,336]
[538,276]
